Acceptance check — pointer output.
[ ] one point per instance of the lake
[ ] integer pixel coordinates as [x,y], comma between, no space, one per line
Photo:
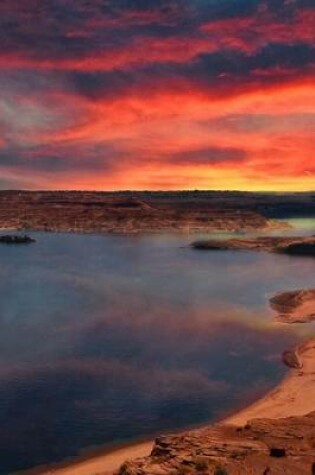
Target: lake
[105,339]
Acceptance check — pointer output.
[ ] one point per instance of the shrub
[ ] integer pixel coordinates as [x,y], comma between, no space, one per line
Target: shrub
[202,463]
[220,471]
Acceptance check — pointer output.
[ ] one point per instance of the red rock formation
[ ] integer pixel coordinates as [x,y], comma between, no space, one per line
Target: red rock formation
[127,212]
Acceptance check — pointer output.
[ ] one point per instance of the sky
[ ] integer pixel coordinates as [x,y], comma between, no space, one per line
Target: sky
[157,94]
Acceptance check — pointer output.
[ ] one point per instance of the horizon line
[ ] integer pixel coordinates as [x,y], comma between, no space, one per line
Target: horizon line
[76,190]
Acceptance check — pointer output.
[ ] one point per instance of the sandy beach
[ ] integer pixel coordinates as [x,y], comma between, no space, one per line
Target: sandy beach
[102,464]
[294,396]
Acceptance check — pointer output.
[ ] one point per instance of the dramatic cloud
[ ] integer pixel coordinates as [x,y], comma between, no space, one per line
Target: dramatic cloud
[121,94]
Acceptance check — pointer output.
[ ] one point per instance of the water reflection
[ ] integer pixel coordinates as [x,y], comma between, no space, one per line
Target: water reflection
[105,338]
[301,226]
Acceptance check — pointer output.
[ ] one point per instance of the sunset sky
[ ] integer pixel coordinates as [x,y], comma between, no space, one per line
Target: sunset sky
[157,94]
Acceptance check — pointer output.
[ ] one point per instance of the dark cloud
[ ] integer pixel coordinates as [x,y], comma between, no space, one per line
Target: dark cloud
[61,33]
[216,73]
[210,155]
[58,159]
[108,157]
[13,184]
[52,29]
[253,123]
[232,67]
[218,10]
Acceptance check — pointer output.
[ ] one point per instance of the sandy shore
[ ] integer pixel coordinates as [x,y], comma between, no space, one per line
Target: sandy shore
[295,396]
[102,464]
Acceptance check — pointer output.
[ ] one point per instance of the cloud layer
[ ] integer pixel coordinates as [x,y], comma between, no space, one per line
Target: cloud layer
[157,94]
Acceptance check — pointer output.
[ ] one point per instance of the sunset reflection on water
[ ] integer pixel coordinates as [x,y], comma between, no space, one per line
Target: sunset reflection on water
[108,338]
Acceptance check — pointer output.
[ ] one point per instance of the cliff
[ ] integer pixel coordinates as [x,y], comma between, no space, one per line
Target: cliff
[132,212]
[261,447]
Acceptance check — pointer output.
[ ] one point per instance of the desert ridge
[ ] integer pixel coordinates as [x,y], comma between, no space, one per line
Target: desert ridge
[150,212]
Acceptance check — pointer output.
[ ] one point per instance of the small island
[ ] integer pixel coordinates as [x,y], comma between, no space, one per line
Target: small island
[16,239]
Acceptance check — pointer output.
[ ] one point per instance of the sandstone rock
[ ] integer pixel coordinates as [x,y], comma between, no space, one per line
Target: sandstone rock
[285,245]
[290,358]
[265,447]
[297,306]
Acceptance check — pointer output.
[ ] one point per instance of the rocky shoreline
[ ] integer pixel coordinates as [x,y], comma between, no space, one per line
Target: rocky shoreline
[261,447]
[295,306]
[274,436]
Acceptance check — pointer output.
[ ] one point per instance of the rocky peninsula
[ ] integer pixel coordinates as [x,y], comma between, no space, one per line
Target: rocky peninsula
[284,245]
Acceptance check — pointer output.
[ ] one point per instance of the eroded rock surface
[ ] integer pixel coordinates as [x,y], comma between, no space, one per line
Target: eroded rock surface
[297,306]
[275,447]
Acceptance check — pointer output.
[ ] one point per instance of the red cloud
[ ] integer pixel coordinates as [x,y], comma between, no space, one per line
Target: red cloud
[140,51]
[253,32]
[246,34]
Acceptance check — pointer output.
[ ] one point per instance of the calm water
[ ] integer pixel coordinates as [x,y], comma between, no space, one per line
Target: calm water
[104,339]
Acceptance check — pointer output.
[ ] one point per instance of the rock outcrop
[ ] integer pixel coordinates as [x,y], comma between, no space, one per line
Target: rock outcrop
[263,446]
[297,306]
[284,245]
[16,239]
[306,248]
